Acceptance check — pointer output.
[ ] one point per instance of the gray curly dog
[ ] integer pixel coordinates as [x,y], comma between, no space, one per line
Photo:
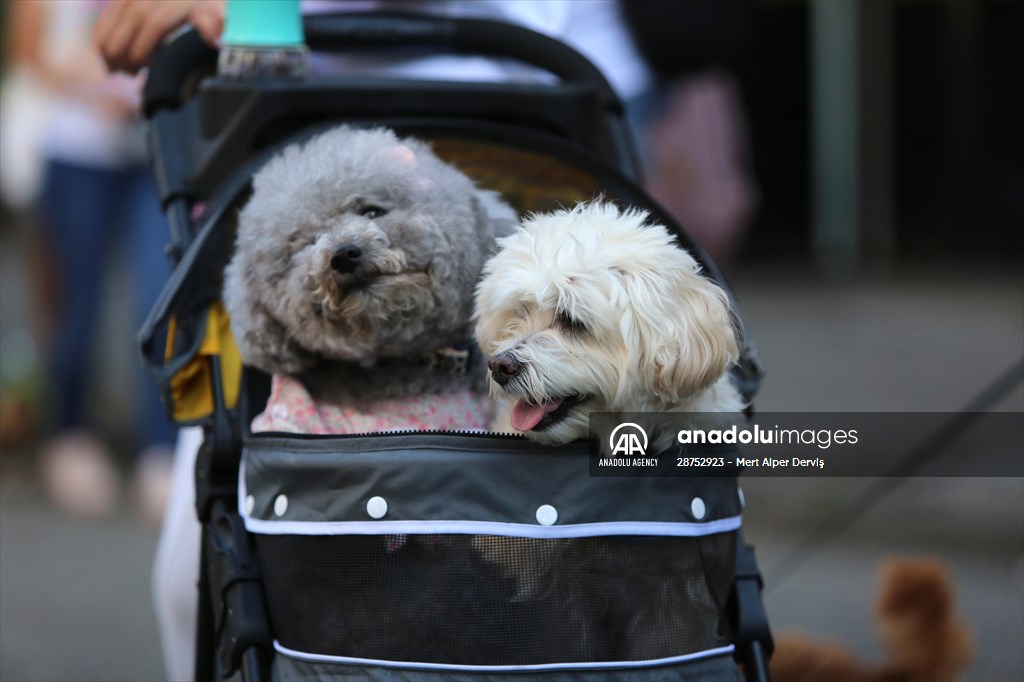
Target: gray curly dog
[356,258]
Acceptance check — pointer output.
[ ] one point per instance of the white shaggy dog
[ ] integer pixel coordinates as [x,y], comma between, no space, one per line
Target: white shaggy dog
[594,310]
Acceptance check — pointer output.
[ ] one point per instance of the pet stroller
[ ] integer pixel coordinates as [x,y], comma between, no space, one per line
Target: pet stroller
[387,555]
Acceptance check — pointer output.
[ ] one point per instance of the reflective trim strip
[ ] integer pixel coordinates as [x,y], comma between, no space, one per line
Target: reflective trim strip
[523,530]
[321,658]
[519,530]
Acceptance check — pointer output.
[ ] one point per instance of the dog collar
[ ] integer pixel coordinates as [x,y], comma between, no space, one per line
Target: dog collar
[455,360]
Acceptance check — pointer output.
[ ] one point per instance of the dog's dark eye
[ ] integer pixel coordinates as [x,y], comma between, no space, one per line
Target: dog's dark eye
[372,212]
[569,324]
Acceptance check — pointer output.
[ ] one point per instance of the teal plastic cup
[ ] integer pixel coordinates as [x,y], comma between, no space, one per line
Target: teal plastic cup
[263,38]
[263,22]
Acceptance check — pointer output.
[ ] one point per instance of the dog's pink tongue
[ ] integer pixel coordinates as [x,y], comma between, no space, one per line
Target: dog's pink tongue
[526,416]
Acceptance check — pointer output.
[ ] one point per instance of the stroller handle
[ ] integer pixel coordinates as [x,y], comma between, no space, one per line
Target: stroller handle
[180,58]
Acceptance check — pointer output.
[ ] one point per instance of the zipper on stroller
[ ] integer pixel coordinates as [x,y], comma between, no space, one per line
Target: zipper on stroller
[495,435]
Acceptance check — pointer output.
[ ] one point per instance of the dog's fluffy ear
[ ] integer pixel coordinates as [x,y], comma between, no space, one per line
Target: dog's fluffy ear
[686,335]
[262,341]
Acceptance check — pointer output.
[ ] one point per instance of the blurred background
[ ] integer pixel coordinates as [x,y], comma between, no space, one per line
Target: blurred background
[857,168]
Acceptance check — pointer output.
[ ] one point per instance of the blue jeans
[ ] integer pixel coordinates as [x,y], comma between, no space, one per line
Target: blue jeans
[88,212]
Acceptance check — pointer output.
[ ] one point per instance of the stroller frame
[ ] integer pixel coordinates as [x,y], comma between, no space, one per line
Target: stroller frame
[198,141]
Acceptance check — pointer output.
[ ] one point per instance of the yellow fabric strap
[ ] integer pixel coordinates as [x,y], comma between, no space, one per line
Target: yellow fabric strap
[192,385]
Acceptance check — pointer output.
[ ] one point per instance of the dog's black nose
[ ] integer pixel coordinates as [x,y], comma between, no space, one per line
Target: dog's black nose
[503,367]
[346,259]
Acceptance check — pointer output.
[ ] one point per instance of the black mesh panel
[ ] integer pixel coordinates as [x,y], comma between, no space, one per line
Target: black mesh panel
[491,600]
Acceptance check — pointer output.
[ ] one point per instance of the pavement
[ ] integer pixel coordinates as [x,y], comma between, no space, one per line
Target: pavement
[74,599]
[74,595]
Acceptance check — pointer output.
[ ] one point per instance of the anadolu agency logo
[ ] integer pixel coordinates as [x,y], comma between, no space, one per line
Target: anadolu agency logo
[628,439]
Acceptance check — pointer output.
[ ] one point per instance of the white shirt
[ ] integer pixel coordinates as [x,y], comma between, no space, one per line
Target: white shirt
[76,129]
[595,28]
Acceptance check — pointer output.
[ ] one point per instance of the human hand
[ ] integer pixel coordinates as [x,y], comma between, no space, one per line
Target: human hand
[84,78]
[128,32]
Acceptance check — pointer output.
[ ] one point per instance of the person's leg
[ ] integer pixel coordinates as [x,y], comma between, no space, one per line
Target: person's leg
[76,217]
[75,210]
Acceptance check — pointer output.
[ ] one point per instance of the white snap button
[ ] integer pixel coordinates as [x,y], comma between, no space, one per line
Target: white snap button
[698,508]
[280,505]
[279,411]
[743,500]
[547,515]
[250,504]
[377,507]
